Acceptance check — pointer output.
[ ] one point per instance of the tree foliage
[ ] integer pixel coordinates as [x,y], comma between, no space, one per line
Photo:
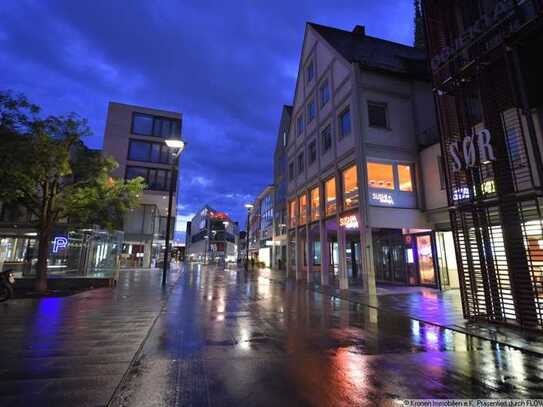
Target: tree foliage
[46,168]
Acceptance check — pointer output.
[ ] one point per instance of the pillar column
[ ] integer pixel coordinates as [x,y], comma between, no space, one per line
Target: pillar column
[325,247]
[147,247]
[298,255]
[308,239]
[342,269]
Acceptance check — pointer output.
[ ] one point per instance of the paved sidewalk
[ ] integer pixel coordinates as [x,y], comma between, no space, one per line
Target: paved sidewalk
[74,351]
[443,309]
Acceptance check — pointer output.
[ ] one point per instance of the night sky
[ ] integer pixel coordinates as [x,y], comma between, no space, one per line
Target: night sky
[228,66]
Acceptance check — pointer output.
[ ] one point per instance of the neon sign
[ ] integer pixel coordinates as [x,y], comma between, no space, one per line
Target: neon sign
[59,243]
[467,151]
[382,197]
[349,222]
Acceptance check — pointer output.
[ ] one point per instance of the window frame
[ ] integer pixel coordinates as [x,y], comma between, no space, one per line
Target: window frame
[311,159]
[309,78]
[344,197]
[148,170]
[300,124]
[300,160]
[310,104]
[323,149]
[314,215]
[345,111]
[156,119]
[163,149]
[326,212]
[383,105]
[324,85]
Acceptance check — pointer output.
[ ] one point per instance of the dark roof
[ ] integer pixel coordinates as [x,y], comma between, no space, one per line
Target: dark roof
[375,53]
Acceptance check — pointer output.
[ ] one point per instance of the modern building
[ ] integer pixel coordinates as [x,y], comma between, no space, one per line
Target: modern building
[280,197]
[486,64]
[265,236]
[213,237]
[135,137]
[362,114]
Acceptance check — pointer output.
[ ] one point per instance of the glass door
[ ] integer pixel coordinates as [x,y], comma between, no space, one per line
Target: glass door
[425,260]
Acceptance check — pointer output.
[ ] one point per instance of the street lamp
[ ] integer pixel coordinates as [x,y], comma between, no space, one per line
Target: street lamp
[249,207]
[176,146]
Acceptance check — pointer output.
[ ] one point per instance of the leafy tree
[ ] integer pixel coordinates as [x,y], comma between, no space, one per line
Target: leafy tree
[46,168]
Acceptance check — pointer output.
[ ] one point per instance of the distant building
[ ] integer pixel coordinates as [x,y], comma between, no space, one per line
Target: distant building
[212,237]
[134,137]
[280,180]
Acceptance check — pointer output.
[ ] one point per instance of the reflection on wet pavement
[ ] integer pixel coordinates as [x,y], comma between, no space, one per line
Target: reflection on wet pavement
[228,337]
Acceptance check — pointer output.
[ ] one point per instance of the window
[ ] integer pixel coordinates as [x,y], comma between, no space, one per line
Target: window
[310,72]
[405,178]
[142,124]
[303,209]
[345,123]
[291,171]
[315,204]
[350,187]
[157,180]
[150,152]
[324,93]
[380,176]
[311,111]
[147,125]
[300,163]
[292,213]
[377,114]
[330,196]
[312,152]
[300,124]
[326,135]
[284,139]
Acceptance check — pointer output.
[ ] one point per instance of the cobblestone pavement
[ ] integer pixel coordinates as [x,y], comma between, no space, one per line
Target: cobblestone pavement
[227,337]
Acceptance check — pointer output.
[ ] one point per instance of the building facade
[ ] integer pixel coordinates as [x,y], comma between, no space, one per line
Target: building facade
[363,111]
[280,197]
[486,64]
[212,238]
[134,137]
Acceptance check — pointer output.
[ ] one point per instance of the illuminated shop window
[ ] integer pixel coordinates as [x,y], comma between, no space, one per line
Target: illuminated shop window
[350,188]
[292,213]
[380,176]
[303,209]
[315,203]
[330,196]
[405,178]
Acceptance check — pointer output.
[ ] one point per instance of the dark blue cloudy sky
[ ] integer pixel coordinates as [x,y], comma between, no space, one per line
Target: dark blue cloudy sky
[228,66]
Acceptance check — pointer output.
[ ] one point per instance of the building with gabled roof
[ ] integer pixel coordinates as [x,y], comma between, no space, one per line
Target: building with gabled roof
[362,112]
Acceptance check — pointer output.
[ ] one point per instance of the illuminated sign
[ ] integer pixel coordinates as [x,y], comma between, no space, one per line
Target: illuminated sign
[465,156]
[460,193]
[349,222]
[59,243]
[382,197]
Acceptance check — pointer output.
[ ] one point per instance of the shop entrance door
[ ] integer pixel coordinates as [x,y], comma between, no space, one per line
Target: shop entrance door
[425,260]
[352,256]
[389,256]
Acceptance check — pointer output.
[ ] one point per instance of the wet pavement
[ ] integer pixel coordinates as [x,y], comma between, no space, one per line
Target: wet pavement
[74,351]
[227,337]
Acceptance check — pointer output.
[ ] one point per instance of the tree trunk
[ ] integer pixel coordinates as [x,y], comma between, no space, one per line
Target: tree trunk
[41,267]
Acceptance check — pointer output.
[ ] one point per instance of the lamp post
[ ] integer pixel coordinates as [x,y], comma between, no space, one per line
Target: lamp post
[249,207]
[176,146]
